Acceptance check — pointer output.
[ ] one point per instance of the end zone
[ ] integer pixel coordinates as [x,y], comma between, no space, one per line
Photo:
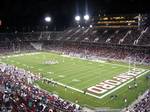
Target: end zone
[125,80]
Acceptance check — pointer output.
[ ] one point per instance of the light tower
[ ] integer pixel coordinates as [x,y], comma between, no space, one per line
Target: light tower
[77,18]
[86,17]
[47,19]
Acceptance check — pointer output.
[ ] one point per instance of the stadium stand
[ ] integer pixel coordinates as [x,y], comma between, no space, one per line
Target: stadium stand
[104,43]
[18,95]
[142,105]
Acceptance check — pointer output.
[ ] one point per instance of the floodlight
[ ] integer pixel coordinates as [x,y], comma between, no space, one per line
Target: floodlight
[48,19]
[77,18]
[91,26]
[86,17]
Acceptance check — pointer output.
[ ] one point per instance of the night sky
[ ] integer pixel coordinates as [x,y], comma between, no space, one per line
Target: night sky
[32,12]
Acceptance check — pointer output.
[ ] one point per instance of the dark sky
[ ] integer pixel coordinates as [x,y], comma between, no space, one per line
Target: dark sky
[32,12]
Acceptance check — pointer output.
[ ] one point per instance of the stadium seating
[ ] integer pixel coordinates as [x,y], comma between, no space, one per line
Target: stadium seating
[122,36]
[25,41]
[145,38]
[105,43]
[17,95]
[143,105]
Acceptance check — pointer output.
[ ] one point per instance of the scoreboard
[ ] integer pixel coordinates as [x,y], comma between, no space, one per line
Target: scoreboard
[117,21]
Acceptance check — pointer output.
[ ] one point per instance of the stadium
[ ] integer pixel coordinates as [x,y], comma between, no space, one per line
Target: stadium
[97,64]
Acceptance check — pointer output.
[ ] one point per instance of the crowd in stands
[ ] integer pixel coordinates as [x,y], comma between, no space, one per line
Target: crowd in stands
[142,106]
[17,94]
[122,36]
[114,53]
[105,53]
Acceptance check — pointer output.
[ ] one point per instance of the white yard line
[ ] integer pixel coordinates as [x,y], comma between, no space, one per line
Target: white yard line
[99,97]
[19,55]
[26,54]
[75,89]
[122,85]
[66,86]
[98,61]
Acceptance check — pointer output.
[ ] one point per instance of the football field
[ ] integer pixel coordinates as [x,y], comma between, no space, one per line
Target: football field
[89,83]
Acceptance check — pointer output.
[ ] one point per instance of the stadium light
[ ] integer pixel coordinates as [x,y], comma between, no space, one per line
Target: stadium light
[77,18]
[48,19]
[86,17]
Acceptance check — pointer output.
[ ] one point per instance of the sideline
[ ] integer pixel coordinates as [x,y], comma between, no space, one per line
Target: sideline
[78,90]
[99,97]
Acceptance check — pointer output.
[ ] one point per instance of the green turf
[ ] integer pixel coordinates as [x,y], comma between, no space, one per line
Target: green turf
[73,72]
[79,74]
